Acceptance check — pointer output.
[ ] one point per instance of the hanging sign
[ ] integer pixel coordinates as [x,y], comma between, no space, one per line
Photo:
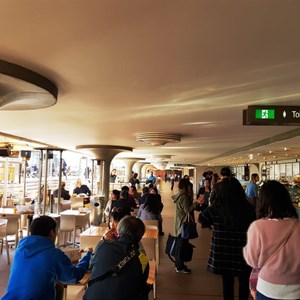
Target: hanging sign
[272,115]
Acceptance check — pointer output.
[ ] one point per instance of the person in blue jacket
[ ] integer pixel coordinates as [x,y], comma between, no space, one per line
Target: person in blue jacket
[38,265]
[252,189]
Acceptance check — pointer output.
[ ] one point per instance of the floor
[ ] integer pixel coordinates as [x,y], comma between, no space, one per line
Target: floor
[199,285]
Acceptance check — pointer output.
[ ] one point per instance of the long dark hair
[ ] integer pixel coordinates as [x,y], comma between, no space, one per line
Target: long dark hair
[232,204]
[151,204]
[185,185]
[274,201]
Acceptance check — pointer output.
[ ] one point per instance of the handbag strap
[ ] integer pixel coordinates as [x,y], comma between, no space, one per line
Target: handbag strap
[120,265]
[189,217]
[284,242]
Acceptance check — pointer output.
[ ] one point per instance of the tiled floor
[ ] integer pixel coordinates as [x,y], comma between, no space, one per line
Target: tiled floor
[199,285]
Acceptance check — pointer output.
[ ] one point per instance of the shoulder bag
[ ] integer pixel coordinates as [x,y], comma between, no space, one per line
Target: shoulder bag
[171,248]
[189,227]
[117,269]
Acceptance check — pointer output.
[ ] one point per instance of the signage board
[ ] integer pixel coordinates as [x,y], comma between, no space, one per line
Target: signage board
[183,165]
[272,115]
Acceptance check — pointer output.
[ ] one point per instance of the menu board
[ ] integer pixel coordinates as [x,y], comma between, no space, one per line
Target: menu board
[289,170]
[295,168]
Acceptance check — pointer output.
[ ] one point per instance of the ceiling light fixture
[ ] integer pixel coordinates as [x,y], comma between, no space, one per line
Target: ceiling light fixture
[158,138]
[23,89]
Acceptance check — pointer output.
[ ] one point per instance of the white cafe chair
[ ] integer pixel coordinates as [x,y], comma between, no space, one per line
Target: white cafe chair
[3,237]
[12,229]
[83,222]
[76,202]
[63,204]
[67,229]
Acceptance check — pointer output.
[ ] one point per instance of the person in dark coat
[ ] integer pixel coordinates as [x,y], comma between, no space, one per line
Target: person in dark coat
[130,281]
[122,202]
[144,195]
[63,192]
[81,188]
[229,216]
[134,180]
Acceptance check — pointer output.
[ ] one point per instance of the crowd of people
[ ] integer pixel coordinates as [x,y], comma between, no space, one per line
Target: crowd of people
[252,230]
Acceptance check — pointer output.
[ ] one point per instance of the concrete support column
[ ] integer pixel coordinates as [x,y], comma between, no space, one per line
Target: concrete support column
[129,162]
[103,154]
[139,165]
[144,170]
[103,167]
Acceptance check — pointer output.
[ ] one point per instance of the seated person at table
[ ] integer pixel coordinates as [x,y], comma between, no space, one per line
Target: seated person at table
[122,202]
[115,216]
[38,265]
[151,210]
[63,192]
[115,195]
[134,196]
[130,281]
[125,193]
[81,188]
[145,192]
[111,234]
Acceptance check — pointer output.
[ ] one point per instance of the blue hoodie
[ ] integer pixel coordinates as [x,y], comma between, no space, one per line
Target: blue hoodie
[36,268]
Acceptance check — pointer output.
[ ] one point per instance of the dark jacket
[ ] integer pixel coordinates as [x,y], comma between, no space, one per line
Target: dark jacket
[143,199]
[226,250]
[124,286]
[82,190]
[63,194]
[121,203]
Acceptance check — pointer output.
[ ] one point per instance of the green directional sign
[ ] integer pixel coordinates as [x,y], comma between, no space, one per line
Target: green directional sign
[265,114]
[183,165]
[275,115]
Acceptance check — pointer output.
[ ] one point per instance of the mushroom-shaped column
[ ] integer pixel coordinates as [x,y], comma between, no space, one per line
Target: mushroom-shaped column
[128,162]
[144,170]
[104,155]
[139,166]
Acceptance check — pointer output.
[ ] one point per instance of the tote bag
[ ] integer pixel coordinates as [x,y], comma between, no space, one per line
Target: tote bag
[189,227]
[171,247]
